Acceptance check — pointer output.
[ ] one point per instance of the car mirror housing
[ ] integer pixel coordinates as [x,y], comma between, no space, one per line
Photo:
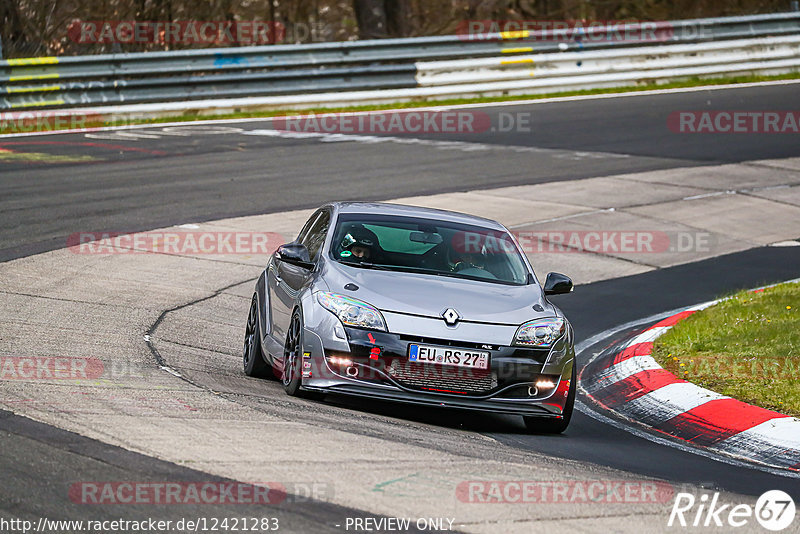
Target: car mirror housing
[557,284]
[295,254]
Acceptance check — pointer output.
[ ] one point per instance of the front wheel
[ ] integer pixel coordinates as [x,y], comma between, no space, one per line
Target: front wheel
[293,356]
[541,425]
[252,358]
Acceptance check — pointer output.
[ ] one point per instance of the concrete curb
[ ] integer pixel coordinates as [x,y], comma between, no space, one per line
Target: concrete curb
[628,381]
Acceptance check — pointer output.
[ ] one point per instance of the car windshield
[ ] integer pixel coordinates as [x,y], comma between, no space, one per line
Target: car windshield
[427,246]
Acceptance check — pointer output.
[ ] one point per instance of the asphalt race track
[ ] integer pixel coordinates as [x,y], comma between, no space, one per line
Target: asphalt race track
[34,452]
[138,182]
[154,177]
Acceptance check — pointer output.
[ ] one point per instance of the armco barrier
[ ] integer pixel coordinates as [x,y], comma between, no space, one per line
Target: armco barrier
[555,72]
[429,67]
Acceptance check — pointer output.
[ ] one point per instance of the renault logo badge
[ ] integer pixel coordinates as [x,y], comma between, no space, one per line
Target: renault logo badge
[450,316]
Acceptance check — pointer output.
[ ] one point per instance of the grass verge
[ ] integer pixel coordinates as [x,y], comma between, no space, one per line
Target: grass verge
[746,347]
[8,126]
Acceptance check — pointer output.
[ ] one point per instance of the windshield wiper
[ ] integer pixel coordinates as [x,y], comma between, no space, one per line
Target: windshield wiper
[367,265]
[425,270]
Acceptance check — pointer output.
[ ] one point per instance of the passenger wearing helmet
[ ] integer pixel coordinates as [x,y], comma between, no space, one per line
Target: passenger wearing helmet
[359,244]
[472,264]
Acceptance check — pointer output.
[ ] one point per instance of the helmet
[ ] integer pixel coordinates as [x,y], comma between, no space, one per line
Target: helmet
[359,243]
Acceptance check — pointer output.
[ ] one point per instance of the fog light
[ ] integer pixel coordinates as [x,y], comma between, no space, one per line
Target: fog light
[545,384]
[344,362]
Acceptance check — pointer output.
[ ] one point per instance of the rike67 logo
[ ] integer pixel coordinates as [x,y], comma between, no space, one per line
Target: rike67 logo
[774,510]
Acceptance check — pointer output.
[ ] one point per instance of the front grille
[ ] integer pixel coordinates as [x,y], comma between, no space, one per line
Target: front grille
[441,378]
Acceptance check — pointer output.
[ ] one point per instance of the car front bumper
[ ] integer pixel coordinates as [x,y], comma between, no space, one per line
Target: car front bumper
[377,367]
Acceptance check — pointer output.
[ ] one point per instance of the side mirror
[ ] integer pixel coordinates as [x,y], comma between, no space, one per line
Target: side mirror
[294,254]
[557,284]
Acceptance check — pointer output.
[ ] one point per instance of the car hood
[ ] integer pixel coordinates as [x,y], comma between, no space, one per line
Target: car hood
[430,295]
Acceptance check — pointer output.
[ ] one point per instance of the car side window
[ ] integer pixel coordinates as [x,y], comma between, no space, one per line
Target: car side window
[315,237]
[306,227]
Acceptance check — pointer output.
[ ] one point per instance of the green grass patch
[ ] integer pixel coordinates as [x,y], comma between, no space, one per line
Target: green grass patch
[244,114]
[746,347]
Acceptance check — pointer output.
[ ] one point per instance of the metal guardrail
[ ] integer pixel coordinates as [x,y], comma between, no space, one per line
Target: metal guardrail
[552,73]
[637,60]
[390,64]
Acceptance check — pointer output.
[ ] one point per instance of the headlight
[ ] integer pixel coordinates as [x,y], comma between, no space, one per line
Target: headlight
[540,333]
[352,312]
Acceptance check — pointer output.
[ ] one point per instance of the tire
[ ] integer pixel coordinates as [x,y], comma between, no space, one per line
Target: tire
[253,362]
[542,425]
[293,356]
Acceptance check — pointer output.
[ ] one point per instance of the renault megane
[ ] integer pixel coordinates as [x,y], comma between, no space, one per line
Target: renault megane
[414,305]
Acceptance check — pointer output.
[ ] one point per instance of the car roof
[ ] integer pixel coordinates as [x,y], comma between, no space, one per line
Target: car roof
[385,208]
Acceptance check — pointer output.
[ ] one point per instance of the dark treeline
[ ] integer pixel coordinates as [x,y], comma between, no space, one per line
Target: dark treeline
[31,28]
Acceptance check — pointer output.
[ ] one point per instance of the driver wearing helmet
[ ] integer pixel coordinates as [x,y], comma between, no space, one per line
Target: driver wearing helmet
[359,244]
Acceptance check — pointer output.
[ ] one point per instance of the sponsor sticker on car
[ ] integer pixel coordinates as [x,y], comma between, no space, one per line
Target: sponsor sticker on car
[448,356]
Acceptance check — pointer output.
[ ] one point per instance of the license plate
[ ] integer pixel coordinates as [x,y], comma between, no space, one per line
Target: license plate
[448,356]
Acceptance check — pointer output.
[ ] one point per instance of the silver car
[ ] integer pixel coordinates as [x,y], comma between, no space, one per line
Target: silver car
[414,305]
